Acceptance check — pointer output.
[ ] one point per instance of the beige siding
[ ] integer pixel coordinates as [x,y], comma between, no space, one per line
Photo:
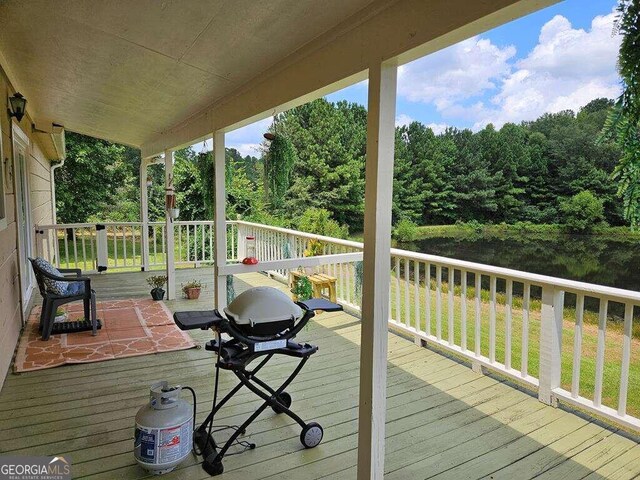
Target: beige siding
[41,213]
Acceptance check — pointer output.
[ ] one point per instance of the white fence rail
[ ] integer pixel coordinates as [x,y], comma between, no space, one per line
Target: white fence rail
[570,341]
[76,245]
[528,327]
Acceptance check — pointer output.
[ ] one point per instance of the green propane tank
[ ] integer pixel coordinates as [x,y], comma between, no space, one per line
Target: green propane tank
[164,429]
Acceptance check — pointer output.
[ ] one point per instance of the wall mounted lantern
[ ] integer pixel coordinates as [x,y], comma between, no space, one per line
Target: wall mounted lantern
[17,106]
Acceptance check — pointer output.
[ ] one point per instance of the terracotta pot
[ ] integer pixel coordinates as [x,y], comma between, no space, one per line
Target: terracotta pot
[193,293]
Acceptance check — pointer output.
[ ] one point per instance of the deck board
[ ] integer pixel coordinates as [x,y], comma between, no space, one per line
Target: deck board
[443,420]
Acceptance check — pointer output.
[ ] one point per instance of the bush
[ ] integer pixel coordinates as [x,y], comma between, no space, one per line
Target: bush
[319,221]
[582,212]
[405,231]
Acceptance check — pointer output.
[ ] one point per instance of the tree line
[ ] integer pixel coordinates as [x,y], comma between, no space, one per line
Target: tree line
[542,171]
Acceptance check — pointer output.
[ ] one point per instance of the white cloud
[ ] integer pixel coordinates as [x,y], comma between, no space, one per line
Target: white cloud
[461,71]
[566,70]
[478,82]
[438,128]
[403,119]
[245,149]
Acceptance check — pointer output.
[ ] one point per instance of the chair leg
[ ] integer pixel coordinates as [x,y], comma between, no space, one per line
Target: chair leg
[43,313]
[47,325]
[94,314]
[87,305]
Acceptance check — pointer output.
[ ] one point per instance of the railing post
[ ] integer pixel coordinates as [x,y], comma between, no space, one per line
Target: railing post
[220,223]
[550,343]
[169,252]
[144,216]
[240,243]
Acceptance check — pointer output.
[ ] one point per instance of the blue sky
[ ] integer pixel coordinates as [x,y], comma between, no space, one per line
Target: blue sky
[557,58]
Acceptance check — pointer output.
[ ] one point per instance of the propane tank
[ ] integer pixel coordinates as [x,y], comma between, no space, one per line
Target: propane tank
[164,429]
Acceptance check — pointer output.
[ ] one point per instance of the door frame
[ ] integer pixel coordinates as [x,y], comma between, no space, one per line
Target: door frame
[23,191]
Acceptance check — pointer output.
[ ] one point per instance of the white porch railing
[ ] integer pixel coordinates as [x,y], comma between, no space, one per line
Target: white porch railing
[528,327]
[76,245]
[558,337]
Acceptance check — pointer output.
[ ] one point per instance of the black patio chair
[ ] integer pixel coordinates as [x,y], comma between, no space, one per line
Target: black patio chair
[79,288]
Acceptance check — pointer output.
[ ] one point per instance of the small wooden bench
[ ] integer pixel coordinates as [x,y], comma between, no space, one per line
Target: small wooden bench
[319,282]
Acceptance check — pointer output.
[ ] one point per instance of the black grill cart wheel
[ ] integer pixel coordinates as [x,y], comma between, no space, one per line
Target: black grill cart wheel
[311,435]
[285,399]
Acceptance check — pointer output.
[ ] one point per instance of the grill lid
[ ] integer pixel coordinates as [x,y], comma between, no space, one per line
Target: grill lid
[262,305]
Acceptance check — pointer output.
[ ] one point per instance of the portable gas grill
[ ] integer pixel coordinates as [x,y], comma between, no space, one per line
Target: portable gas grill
[261,322]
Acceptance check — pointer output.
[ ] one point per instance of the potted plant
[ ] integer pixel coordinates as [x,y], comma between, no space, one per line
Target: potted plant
[61,316]
[192,289]
[156,282]
[302,289]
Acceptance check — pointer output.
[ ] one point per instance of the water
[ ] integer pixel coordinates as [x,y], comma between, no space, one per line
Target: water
[585,258]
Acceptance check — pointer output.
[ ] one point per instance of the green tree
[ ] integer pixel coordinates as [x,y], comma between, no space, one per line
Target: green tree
[319,221]
[330,141]
[582,212]
[623,124]
[98,180]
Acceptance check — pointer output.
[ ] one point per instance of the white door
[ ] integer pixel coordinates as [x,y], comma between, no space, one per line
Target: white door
[23,211]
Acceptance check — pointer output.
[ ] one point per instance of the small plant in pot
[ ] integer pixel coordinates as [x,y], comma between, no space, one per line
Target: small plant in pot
[192,289]
[156,282]
[302,289]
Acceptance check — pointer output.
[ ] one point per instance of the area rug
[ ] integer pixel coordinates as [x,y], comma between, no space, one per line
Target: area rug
[129,328]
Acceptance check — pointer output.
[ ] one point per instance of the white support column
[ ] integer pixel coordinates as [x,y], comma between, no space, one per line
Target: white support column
[377,275]
[144,215]
[550,343]
[168,231]
[219,218]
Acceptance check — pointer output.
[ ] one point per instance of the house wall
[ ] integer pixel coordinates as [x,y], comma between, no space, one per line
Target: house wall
[11,316]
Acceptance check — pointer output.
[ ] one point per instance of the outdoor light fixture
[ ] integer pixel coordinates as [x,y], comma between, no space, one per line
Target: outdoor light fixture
[17,106]
[149,182]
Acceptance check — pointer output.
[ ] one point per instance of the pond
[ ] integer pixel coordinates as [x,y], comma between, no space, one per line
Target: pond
[587,258]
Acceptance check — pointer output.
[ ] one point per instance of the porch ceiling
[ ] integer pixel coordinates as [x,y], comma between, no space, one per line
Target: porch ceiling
[128,70]
[160,74]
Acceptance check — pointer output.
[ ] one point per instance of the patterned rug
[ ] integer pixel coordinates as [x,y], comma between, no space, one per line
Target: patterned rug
[129,328]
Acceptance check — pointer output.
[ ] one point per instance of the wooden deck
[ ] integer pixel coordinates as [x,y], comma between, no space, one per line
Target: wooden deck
[443,420]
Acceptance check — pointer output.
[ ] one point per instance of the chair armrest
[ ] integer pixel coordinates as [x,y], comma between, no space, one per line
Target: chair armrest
[75,271]
[64,279]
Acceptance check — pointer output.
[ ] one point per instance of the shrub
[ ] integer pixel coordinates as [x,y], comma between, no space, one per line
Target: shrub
[405,231]
[314,248]
[319,221]
[582,212]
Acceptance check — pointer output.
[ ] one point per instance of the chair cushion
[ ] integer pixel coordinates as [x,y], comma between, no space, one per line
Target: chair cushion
[75,288]
[56,287]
